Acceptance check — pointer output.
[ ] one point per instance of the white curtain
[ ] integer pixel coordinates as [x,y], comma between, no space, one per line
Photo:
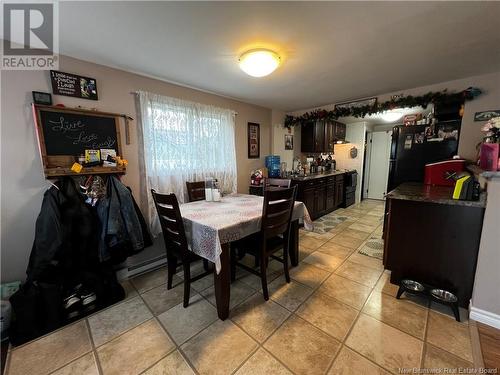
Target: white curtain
[183,141]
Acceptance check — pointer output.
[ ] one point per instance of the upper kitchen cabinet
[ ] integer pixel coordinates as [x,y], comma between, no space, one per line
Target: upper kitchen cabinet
[321,136]
[313,137]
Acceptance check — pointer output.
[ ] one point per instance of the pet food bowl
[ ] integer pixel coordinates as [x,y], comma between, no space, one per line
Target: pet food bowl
[444,295]
[412,286]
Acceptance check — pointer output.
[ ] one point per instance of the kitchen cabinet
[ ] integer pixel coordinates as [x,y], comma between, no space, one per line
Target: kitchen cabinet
[321,195]
[439,241]
[339,190]
[321,136]
[329,136]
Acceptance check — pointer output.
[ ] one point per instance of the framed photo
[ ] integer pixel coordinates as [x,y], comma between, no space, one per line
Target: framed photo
[288,142]
[486,115]
[253,140]
[43,98]
[370,102]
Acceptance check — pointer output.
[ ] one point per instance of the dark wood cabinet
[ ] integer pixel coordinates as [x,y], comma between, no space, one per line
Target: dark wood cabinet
[433,243]
[329,136]
[320,195]
[321,136]
[339,191]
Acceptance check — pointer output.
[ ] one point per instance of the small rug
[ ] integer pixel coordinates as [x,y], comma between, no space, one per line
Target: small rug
[374,248]
[327,223]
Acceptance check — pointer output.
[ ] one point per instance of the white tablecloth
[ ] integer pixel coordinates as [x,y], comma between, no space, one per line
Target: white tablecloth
[208,224]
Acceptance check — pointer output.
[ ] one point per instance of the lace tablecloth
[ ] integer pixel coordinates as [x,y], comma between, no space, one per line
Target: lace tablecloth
[208,224]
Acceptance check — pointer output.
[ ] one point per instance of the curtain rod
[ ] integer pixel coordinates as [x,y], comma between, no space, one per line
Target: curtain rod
[139,91]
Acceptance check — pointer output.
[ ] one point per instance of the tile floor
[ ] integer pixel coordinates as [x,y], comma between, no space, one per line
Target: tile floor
[337,316]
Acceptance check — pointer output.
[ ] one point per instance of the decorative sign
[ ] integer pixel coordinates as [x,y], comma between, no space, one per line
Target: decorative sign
[73,85]
[253,140]
[396,97]
[486,115]
[371,102]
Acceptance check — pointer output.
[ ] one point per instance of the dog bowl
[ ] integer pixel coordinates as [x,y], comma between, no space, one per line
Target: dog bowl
[412,285]
[444,295]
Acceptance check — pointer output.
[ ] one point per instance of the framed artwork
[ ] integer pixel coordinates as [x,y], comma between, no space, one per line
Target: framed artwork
[253,140]
[370,102]
[42,98]
[288,142]
[486,115]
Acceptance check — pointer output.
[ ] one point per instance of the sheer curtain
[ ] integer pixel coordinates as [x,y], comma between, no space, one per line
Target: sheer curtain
[183,141]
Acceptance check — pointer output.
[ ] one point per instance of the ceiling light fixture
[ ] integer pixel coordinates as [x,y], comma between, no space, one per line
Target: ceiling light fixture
[391,116]
[259,62]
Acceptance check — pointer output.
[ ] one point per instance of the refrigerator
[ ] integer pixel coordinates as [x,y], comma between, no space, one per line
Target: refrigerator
[414,146]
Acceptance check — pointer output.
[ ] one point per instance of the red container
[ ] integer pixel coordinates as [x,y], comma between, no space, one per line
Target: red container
[442,173]
[488,159]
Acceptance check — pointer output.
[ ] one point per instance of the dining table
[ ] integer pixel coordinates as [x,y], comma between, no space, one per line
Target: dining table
[212,226]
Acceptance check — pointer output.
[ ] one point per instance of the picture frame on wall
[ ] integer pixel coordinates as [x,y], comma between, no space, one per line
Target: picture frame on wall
[288,142]
[253,140]
[42,98]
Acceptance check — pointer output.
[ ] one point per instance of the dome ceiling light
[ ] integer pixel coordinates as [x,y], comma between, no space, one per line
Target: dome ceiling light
[259,62]
[391,116]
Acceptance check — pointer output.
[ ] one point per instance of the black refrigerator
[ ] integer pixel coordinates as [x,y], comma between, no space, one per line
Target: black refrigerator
[415,146]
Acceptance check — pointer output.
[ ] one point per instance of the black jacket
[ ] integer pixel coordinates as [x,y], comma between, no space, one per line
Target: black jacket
[66,236]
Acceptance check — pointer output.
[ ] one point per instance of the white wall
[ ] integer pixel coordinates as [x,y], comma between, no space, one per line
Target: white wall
[355,134]
[486,296]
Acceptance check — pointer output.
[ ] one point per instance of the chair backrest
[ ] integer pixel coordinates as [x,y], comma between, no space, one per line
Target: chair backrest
[171,222]
[277,212]
[196,190]
[277,182]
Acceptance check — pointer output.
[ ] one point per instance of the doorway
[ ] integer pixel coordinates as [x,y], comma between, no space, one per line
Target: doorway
[377,164]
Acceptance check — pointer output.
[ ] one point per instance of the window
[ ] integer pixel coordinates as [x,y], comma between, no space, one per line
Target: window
[185,141]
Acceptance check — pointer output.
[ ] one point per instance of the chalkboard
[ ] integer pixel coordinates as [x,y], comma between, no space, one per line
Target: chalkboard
[64,134]
[67,132]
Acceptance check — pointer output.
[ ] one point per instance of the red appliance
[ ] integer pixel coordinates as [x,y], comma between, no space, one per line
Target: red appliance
[442,173]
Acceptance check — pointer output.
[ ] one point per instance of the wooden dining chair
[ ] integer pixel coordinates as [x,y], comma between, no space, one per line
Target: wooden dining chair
[273,236]
[277,182]
[196,190]
[176,244]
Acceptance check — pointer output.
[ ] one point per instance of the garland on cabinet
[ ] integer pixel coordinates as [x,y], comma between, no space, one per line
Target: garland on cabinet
[442,97]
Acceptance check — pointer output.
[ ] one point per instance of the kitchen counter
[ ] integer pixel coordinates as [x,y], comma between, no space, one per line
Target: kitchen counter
[432,194]
[318,175]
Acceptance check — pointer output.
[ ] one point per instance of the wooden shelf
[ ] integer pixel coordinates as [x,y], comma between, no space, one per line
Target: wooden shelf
[59,172]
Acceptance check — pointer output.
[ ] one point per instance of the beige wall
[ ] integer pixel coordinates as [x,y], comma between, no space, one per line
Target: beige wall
[471,133]
[278,142]
[22,180]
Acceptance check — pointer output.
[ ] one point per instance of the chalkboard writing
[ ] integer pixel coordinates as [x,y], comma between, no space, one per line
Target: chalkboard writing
[73,85]
[69,133]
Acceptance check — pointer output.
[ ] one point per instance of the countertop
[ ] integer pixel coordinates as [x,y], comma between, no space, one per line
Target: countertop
[319,175]
[411,191]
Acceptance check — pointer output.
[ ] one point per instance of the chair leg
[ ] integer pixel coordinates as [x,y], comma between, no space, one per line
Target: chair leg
[263,277]
[285,264]
[205,265]
[171,268]
[233,264]
[187,282]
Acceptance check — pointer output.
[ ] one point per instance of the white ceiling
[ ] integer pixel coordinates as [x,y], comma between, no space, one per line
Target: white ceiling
[332,51]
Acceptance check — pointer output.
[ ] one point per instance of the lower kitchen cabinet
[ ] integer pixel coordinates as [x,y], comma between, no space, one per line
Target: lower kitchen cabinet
[320,195]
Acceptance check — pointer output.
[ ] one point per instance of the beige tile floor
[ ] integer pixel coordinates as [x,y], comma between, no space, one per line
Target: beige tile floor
[337,316]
